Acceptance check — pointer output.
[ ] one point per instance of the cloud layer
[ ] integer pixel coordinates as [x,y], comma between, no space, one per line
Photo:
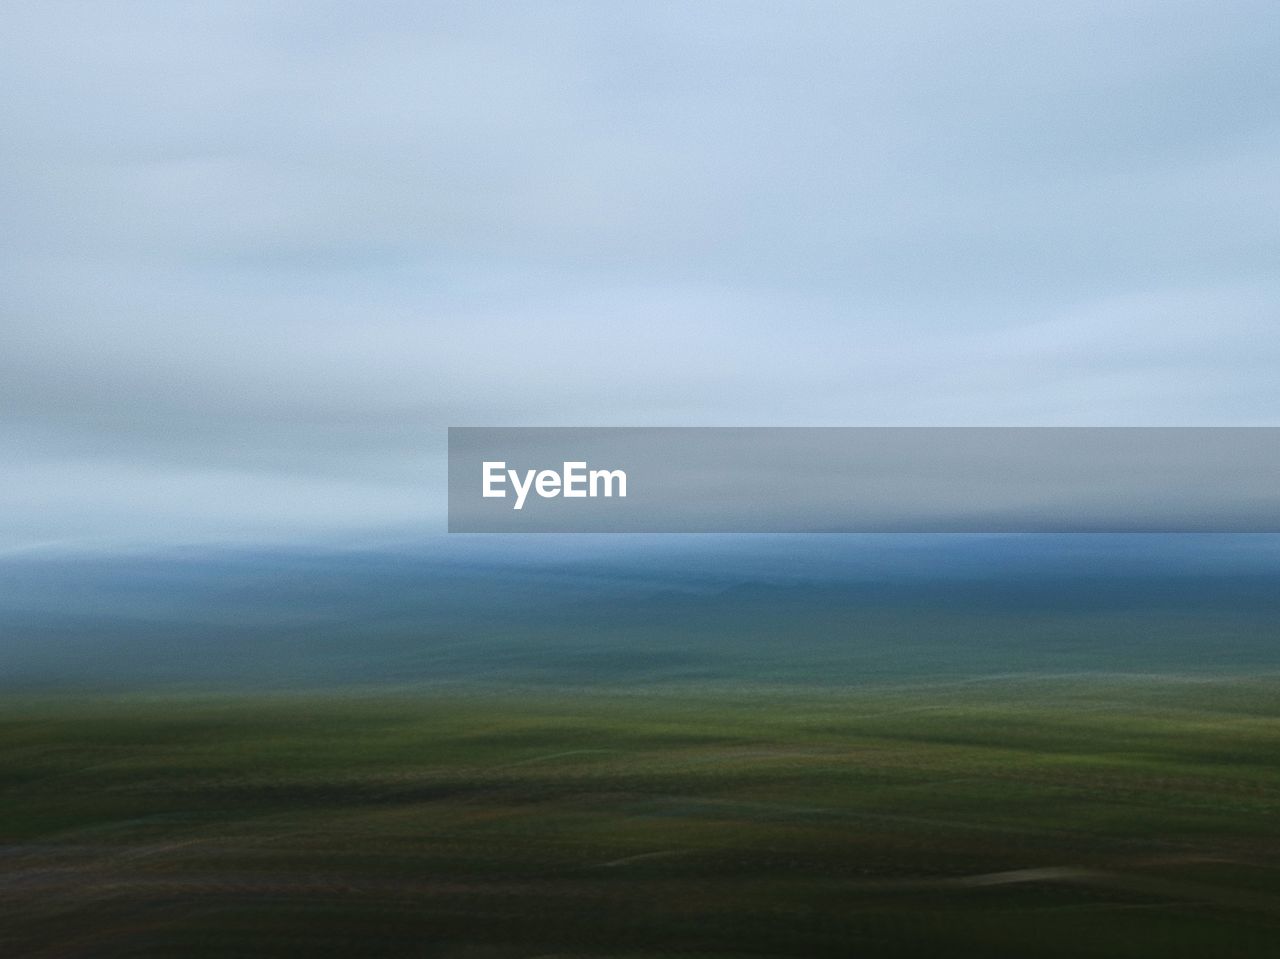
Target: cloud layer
[257,256]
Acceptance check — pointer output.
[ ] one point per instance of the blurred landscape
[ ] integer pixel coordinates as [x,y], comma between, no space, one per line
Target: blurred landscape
[745,747]
[1009,818]
[259,258]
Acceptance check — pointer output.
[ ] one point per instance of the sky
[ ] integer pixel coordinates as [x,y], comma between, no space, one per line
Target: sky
[257,256]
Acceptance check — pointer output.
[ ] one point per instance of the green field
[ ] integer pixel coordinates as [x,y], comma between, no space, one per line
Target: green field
[1063,817]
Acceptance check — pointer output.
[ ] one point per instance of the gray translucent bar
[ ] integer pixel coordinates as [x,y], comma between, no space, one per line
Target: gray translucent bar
[868,479]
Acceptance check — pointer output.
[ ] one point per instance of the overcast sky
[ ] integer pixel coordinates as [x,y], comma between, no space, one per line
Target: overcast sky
[255,257]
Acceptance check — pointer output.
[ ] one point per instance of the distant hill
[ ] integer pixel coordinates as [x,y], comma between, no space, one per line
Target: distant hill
[612,610]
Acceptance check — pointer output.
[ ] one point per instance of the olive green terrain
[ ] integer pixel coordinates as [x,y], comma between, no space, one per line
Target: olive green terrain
[1059,817]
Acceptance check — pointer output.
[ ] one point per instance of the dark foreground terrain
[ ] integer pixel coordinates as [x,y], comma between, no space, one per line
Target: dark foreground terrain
[1064,817]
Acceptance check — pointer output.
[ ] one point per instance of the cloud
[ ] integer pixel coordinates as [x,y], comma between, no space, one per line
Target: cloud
[256,245]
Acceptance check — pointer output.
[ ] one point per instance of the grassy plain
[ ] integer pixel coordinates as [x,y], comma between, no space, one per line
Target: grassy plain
[1087,816]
